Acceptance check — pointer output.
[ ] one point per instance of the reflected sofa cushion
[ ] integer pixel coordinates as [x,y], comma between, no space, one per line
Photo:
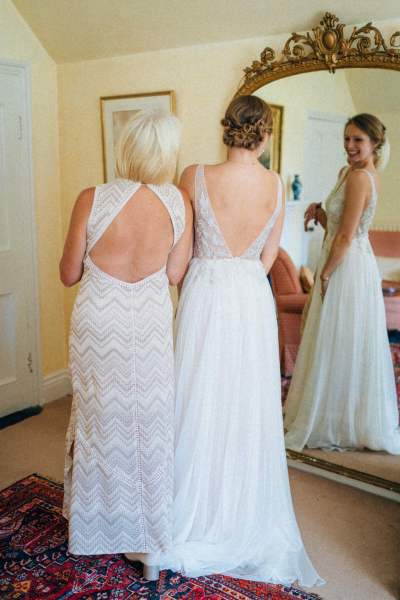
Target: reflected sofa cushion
[290,300]
[386,247]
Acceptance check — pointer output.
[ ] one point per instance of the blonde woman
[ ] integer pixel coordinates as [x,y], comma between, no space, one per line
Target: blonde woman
[342,395]
[127,241]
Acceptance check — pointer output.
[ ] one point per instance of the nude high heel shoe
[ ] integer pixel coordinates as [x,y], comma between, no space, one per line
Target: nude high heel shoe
[151,572]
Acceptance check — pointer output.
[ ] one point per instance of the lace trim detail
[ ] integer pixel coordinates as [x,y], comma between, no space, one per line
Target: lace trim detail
[335,206]
[110,199]
[257,246]
[172,199]
[209,239]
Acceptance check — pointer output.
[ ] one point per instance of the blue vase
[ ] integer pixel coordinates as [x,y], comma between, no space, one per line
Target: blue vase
[296,187]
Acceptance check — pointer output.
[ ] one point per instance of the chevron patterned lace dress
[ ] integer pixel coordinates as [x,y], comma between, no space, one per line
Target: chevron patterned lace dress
[119,447]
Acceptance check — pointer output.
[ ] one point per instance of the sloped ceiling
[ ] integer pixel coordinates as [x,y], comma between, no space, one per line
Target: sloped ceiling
[76,30]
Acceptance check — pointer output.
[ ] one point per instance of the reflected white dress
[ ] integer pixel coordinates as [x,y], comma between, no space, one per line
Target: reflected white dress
[342,394]
[233,511]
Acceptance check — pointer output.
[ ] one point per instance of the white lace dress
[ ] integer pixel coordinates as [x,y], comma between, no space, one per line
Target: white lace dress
[119,452]
[233,511]
[342,394]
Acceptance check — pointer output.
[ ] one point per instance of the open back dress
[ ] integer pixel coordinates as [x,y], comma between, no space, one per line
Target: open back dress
[119,454]
[233,510]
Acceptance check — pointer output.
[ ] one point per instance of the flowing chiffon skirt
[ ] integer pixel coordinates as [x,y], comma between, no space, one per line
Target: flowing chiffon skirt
[233,511]
[342,395]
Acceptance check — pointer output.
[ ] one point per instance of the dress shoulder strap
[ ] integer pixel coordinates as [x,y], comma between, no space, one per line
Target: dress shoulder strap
[279,194]
[109,200]
[172,199]
[278,206]
[372,180]
[198,184]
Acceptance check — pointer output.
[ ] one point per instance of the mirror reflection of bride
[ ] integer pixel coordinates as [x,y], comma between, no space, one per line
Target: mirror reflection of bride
[342,394]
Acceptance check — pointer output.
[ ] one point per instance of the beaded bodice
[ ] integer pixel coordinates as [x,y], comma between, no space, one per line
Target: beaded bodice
[209,240]
[335,205]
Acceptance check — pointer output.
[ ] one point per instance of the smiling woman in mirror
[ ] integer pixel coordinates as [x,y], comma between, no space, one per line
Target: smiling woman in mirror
[342,394]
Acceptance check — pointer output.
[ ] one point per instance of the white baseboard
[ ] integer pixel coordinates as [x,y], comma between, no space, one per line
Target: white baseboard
[386,226]
[56,385]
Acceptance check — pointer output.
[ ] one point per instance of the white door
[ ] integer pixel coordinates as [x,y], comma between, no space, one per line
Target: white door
[293,231]
[19,376]
[324,157]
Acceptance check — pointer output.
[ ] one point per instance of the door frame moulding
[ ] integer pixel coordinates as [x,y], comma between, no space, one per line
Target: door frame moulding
[24,71]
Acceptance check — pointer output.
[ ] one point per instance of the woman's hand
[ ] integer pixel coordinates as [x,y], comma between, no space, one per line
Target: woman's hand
[315,213]
[311,214]
[324,285]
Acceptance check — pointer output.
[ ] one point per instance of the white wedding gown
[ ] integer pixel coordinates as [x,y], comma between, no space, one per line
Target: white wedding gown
[342,395]
[233,511]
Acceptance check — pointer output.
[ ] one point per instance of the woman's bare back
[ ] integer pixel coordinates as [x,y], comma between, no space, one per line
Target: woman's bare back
[138,241]
[243,198]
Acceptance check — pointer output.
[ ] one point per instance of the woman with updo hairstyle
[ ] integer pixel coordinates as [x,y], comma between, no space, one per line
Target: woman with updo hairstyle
[233,512]
[128,239]
[343,395]
[246,123]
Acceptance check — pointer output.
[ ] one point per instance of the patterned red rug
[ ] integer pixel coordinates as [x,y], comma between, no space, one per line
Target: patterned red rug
[35,564]
[395,350]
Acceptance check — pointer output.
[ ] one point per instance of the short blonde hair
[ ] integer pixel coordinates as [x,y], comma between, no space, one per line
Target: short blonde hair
[147,149]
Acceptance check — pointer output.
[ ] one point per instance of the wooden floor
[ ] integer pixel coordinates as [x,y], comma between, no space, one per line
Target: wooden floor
[352,537]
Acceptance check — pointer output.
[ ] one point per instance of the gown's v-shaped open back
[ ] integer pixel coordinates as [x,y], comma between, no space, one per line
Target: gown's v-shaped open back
[233,512]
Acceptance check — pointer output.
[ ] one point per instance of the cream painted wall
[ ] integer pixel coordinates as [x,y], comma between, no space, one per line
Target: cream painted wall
[378,91]
[18,43]
[388,209]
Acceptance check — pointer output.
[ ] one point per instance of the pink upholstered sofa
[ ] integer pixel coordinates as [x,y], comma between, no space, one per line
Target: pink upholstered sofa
[290,300]
[386,247]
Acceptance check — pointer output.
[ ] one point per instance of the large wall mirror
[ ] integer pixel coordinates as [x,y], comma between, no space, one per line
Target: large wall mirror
[319,80]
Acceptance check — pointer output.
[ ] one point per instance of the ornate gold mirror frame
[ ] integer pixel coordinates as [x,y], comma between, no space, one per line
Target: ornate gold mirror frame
[327,48]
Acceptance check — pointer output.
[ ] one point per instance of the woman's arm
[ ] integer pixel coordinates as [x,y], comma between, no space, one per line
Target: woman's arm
[357,192]
[71,263]
[181,254]
[271,248]
[187,181]
[316,213]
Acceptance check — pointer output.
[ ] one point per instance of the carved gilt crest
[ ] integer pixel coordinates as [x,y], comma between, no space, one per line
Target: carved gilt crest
[326,47]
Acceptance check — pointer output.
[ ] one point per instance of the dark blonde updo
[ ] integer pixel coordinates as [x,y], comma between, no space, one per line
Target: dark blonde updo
[373,127]
[247,120]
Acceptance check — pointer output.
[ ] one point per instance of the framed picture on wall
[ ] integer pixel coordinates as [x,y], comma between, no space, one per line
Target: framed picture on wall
[271,157]
[116,112]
